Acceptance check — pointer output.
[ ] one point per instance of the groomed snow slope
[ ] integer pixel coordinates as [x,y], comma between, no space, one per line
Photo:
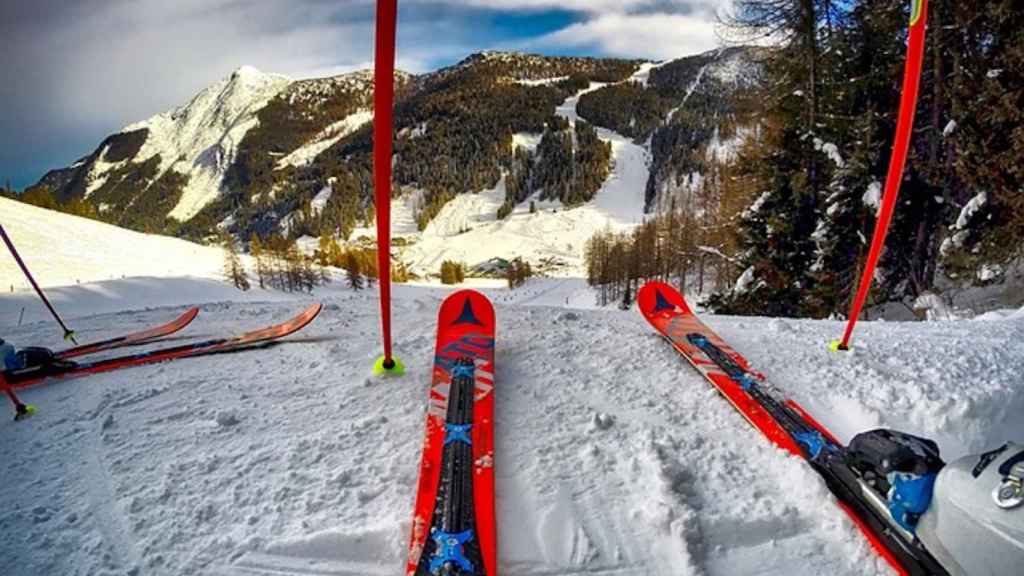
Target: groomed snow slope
[63,250]
[613,457]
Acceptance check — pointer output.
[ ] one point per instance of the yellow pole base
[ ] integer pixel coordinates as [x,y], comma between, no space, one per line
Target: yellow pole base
[396,368]
[837,346]
[29,411]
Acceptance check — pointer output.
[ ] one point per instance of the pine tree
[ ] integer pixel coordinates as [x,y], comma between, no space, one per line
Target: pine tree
[353,270]
[323,252]
[234,270]
[256,249]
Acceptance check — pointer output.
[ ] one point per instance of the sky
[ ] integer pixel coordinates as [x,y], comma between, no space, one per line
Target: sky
[74,71]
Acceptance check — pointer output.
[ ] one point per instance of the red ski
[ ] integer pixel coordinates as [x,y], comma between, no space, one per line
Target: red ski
[134,339]
[61,368]
[784,422]
[453,525]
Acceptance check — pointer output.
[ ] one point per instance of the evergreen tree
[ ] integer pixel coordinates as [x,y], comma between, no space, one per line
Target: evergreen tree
[234,270]
[353,271]
[256,250]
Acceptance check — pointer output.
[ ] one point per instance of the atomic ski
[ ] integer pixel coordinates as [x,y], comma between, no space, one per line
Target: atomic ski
[784,423]
[134,339]
[453,528]
[61,368]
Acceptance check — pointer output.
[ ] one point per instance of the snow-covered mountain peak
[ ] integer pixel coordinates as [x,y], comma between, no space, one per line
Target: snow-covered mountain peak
[200,139]
[246,71]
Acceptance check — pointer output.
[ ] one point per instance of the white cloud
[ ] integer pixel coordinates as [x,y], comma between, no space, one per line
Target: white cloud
[655,36]
[598,6]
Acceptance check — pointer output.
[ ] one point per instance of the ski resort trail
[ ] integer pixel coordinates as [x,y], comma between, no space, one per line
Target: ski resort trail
[549,235]
[613,457]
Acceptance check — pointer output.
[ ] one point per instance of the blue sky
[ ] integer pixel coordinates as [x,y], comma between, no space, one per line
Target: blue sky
[77,70]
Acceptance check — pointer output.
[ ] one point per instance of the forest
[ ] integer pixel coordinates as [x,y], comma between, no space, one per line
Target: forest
[787,219]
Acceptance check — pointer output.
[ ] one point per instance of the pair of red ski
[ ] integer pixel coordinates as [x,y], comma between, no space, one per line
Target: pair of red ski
[453,527]
[64,367]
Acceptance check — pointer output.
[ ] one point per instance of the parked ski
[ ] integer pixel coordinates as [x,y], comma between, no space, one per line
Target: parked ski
[784,423]
[453,527]
[134,339]
[65,368]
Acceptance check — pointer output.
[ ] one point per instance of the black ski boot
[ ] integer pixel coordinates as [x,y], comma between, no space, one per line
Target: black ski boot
[900,468]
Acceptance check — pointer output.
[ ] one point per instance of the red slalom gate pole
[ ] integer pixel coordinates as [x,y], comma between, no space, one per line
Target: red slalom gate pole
[901,145]
[68,333]
[383,121]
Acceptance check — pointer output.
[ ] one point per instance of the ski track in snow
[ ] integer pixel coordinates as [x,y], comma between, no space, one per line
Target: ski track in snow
[613,456]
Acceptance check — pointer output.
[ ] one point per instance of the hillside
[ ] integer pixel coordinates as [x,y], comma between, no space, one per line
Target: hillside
[63,250]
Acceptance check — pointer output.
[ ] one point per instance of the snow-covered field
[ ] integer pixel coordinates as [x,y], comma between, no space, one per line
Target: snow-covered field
[613,456]
[63,250]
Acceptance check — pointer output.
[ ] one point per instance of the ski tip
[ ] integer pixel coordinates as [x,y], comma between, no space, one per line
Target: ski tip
[657,297]
[837,346]
[380,367]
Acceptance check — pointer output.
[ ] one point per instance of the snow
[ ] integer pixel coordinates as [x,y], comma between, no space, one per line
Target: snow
[830,150]
[970,209]
[934,307]
[989,272]
[201,138]
[100,171]
[542,81]
[758,204]
[744,281]
[526,140]
[327,137]
[727,150]
[320,200]
[960,234]
[873,195]
[643,74]
[293,460]
[63,250]
[689,91]
[613,457]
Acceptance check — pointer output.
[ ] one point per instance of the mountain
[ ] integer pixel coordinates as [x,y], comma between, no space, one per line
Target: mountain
[260,153]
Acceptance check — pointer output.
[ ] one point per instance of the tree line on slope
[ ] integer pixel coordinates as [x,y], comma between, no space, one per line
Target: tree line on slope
[569,165]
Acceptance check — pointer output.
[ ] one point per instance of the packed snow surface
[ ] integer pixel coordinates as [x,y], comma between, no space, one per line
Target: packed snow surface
[613,457]
[63,250]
